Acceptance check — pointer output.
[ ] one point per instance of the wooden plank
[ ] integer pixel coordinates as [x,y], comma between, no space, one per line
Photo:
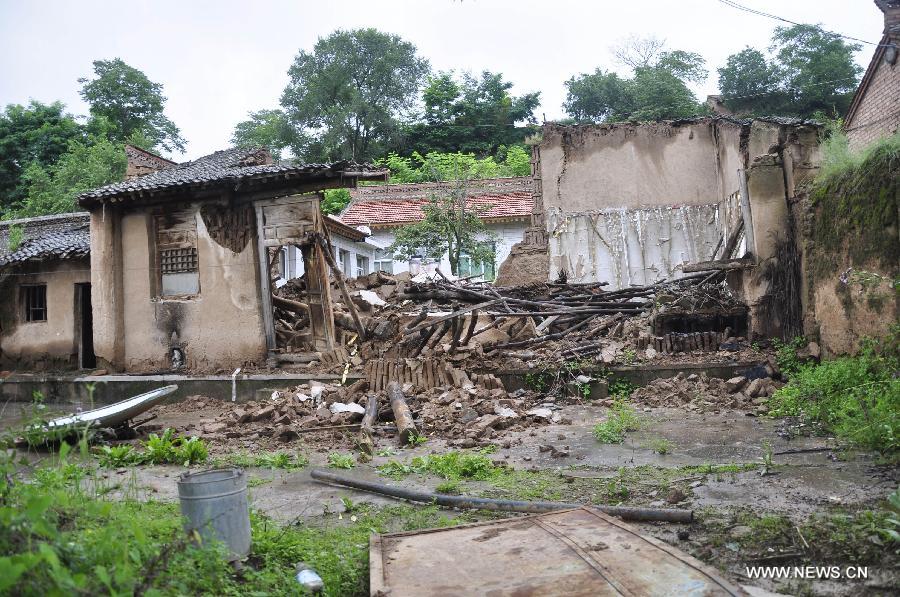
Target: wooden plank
[457,313]
[264,282]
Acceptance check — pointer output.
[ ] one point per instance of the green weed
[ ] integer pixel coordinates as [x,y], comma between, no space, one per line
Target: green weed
[118,456]
[856,398]
[660,445]
[621,419]
[336,460]
[452,466]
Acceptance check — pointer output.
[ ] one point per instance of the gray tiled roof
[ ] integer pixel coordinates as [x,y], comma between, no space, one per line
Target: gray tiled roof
[62,236]
[222,167]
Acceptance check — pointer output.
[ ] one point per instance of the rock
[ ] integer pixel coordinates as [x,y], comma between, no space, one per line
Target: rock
[735,383]
[341,407]
[467,415]
[214,427]
[385,329]
[740,531]
[683,535]
[675,496]
[650,353]
[486,422]
[285,433]
[99,372]
[301,397]
[505,412]
[264,413]
[540,413]
[756,388]
[323,414]
[693,377]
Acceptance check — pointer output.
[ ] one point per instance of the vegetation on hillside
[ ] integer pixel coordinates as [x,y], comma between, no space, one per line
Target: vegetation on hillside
[856,398]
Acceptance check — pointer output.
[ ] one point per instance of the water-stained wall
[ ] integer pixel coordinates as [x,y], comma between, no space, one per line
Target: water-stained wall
[628,204]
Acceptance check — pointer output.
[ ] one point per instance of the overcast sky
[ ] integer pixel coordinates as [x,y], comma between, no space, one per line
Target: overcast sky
[219,59]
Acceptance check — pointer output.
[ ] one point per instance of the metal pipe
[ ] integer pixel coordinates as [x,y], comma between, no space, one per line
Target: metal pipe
[474,503]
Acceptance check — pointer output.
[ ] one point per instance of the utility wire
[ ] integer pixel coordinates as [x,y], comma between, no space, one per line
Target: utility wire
[754,11]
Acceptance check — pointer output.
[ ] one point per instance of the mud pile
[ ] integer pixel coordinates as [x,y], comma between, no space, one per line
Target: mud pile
[702,393]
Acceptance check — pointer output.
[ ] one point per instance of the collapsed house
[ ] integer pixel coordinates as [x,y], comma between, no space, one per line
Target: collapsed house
[503,204]
[182,259]
[45,285]
[633,204]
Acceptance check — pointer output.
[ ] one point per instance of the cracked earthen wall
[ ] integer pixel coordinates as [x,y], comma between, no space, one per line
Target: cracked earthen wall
[220,327]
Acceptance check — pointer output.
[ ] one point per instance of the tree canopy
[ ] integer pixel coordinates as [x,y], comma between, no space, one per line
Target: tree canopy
[131,103]
[658,87]
[450,227]
[809,71]
[33,134]
[345,99]
[475,114]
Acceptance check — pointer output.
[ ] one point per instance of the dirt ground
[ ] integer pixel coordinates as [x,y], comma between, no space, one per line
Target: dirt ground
[711,462]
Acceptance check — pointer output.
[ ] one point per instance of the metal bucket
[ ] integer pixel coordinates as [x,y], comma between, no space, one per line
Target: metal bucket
[214,503]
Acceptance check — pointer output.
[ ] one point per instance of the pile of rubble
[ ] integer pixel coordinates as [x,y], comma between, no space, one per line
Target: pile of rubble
[702,393]
[475,326]
[466,417]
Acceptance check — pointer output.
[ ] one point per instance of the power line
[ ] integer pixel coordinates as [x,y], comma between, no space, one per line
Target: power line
[754,11]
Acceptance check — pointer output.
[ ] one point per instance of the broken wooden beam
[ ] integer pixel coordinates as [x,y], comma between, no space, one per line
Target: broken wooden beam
[406,427]
[722,264]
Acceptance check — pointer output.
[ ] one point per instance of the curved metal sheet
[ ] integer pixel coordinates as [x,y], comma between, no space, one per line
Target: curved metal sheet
[118,413]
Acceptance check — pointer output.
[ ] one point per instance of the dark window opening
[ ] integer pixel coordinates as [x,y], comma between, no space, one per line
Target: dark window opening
[34,298]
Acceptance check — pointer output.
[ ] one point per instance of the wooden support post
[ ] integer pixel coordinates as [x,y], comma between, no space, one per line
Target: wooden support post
[403,418]
[321,316]
[339,276]
[265,281]
[745,210]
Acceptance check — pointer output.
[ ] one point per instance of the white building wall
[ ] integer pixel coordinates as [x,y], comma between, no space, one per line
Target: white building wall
[294,262]
[506,234]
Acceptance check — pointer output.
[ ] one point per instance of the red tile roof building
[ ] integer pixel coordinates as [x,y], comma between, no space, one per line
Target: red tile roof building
[382,206]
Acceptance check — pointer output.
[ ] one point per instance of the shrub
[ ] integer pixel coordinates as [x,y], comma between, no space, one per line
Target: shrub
[856,398]
[621,418]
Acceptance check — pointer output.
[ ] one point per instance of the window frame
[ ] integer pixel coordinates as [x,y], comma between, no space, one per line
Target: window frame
[174,231]
[26,292]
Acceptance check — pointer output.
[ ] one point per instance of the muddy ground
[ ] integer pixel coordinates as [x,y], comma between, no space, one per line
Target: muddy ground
[761,495]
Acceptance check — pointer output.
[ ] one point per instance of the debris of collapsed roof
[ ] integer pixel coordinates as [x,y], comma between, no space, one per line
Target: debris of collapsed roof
[432,330]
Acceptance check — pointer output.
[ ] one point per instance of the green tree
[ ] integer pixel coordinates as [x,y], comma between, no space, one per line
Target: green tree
[451,227]
[132,103]
[265,128]
[55,188]
[436,166]
[810,71]
[475,115]
[37,133]
[658,88]
[345,98]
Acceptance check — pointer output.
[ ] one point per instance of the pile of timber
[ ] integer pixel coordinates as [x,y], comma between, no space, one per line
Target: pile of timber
[557,310]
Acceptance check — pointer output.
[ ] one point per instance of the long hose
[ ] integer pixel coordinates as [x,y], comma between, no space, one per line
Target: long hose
[474,503]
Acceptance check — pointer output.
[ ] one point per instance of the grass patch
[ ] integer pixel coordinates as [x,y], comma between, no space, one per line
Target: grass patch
[345,461]
[621,419]
[856,398]
[274,460]
[660,445]
[453,466]
[58,539]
